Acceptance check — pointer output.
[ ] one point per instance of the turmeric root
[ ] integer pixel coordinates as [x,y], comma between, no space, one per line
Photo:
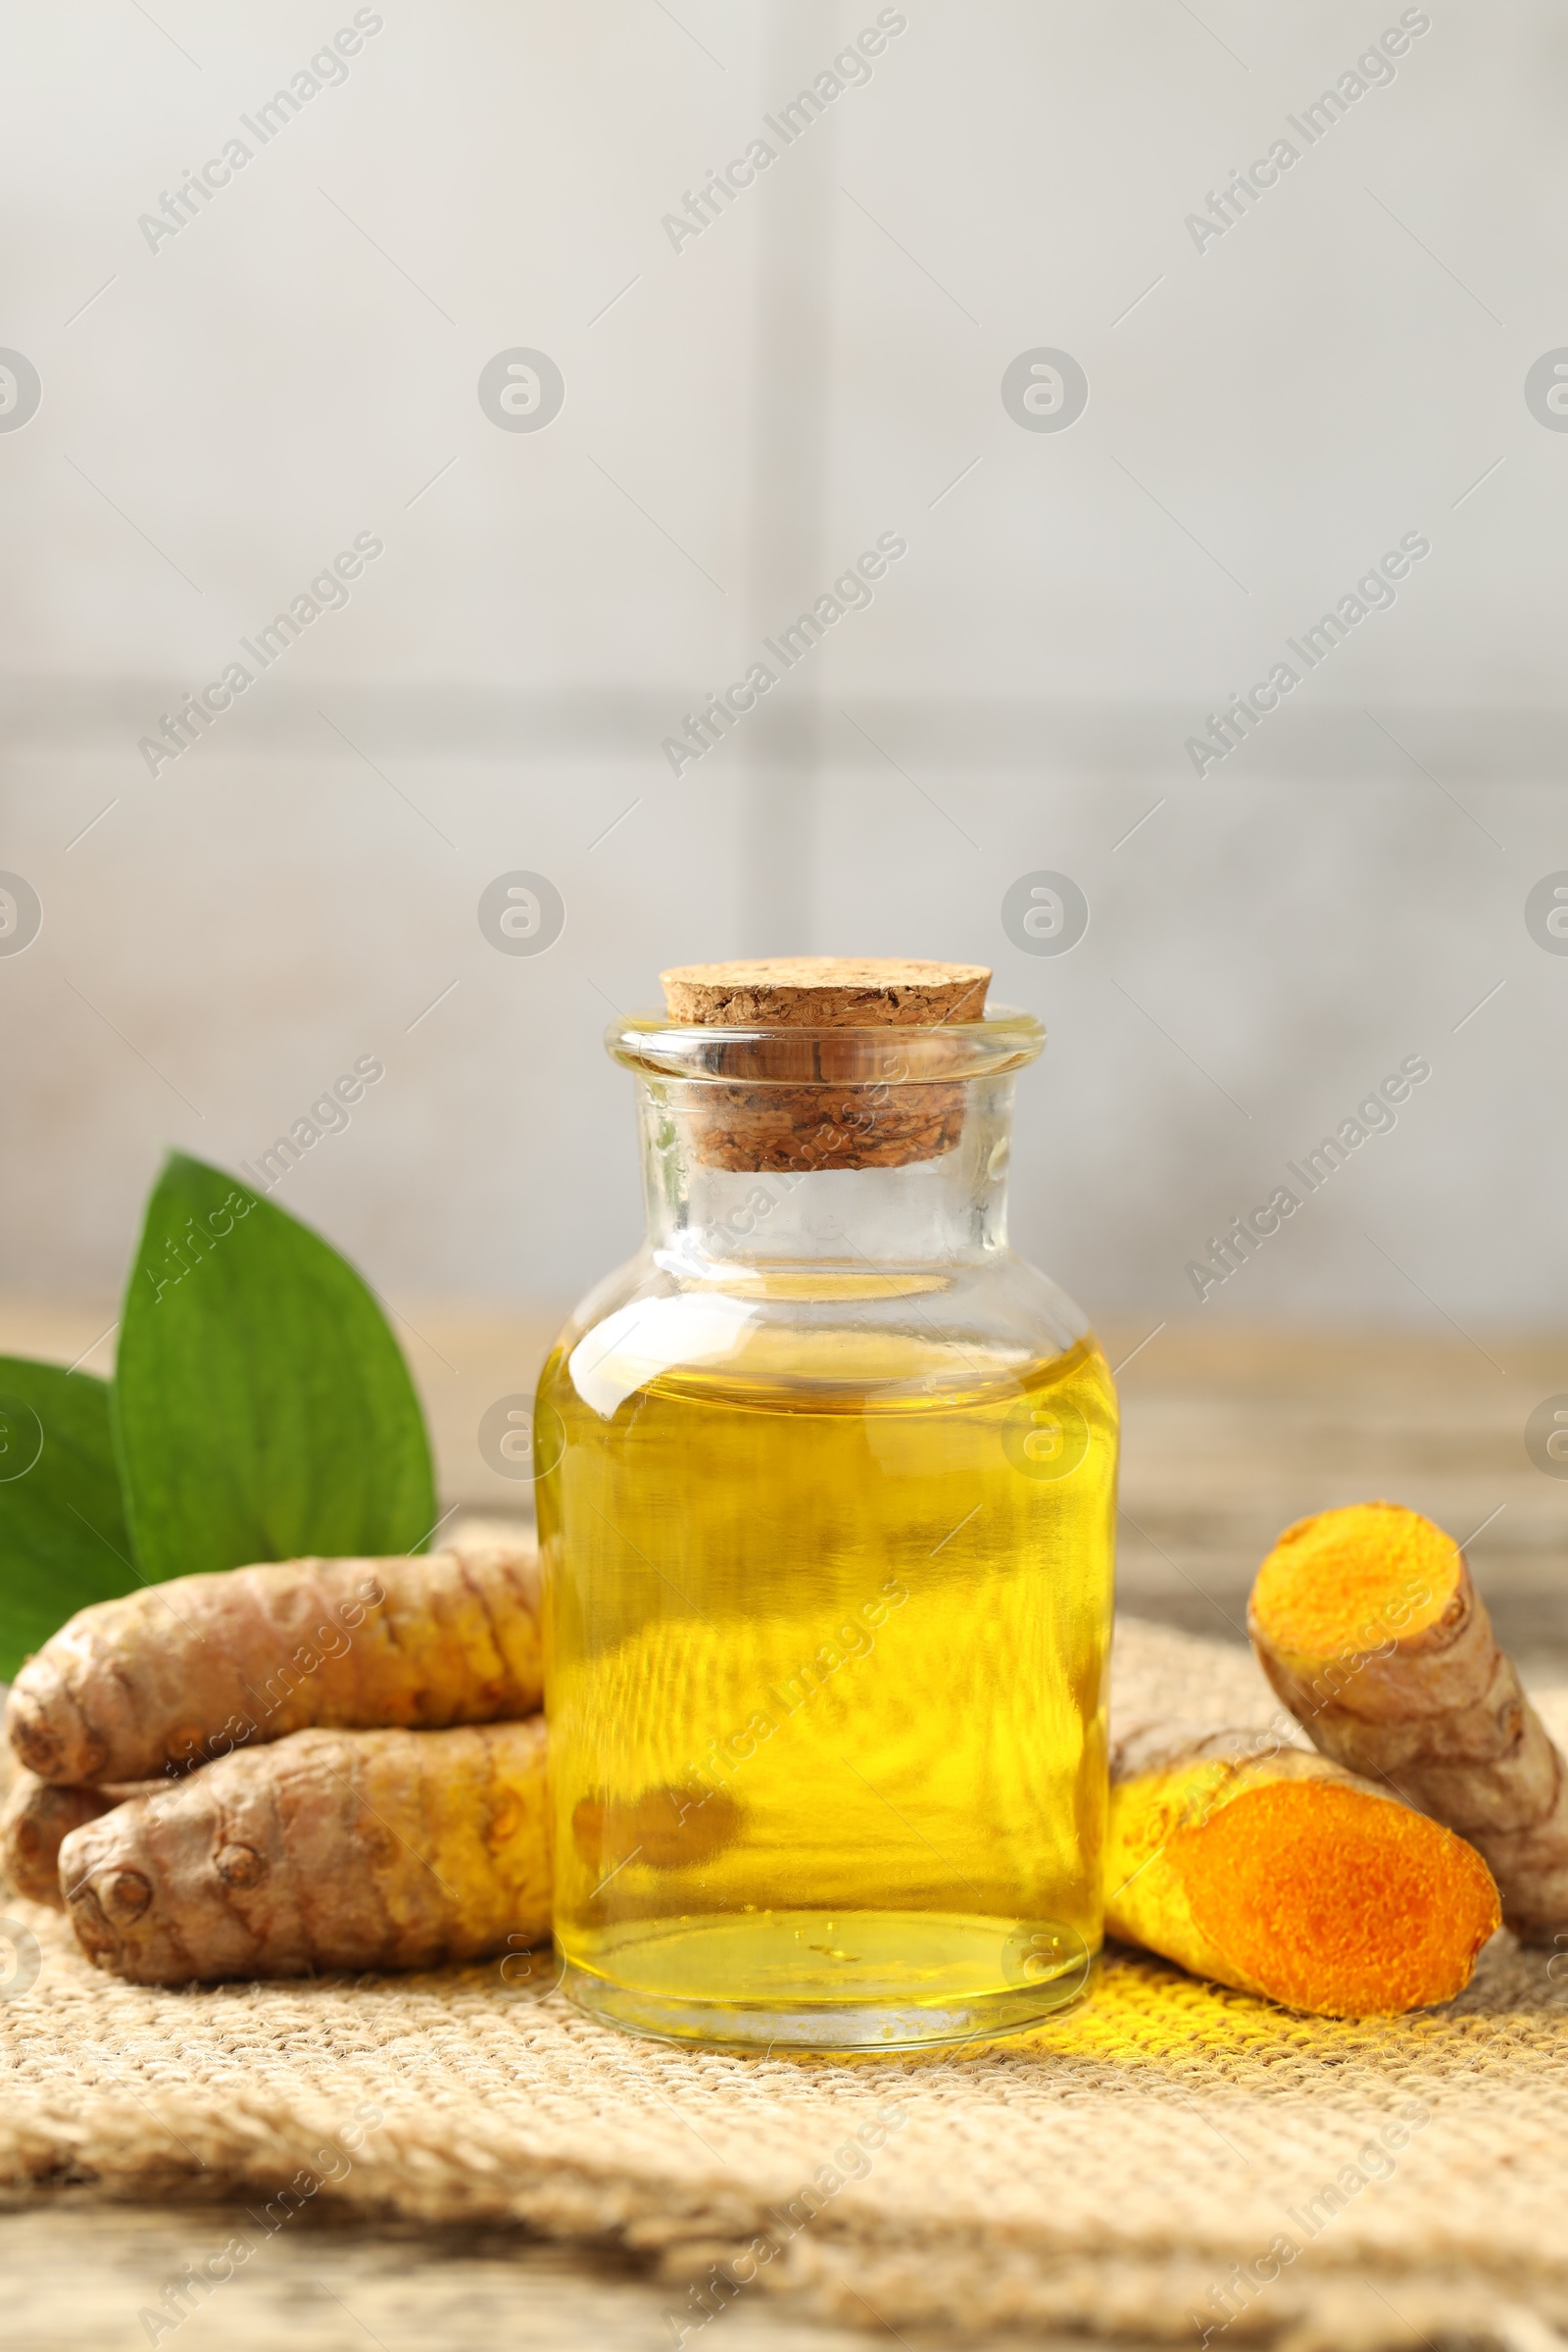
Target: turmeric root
[35,1821]
[183,1671]
[1369,1626]
[663,1828]
[1272,1870]
[328,1849]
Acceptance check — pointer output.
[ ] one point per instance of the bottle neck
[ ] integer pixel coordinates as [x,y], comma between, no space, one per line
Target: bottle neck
[704,1219]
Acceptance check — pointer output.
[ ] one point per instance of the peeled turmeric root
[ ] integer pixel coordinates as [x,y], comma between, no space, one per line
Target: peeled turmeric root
[1272,1870]
[328,1849]
[1369,1626]
[183,1672]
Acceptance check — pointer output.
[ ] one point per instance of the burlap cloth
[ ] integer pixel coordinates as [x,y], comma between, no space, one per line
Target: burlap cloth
[1103,2177]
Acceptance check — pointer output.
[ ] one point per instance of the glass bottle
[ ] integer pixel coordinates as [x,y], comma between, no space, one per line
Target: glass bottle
[827,1530]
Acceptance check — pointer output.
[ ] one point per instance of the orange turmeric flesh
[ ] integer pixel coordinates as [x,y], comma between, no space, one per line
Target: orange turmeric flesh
[1336,1901]
[1371,1631]
[1347,1580]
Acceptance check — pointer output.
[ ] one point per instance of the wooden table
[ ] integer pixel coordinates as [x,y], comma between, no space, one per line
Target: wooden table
[1229,1435]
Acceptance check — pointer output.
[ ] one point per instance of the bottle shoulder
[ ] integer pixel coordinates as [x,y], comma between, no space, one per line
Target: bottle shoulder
[609,1293]
[997,1318]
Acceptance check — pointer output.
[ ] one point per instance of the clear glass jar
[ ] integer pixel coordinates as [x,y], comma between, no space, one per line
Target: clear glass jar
[828,1551]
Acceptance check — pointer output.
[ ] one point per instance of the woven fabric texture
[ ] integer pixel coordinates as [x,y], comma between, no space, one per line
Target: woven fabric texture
[1103,2176]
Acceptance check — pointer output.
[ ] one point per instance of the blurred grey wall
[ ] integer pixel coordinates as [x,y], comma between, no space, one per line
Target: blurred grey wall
[235,387]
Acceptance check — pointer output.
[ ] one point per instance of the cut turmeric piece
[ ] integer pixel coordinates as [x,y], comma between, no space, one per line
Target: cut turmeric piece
[181,1672]
[1329,1584]
[1367,1623]
[1272,1870]
[328,1849]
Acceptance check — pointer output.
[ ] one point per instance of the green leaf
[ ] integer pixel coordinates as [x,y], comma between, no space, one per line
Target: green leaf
[261,1406]
[62,1535]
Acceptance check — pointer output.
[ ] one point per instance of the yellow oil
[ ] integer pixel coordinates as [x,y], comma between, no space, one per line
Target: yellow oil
[827,1623]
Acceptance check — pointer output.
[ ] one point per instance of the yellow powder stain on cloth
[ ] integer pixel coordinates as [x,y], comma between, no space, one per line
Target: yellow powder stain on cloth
[1352,1579]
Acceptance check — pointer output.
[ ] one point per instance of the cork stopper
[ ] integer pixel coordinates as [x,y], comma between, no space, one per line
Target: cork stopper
[825,991]
[828,1103]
